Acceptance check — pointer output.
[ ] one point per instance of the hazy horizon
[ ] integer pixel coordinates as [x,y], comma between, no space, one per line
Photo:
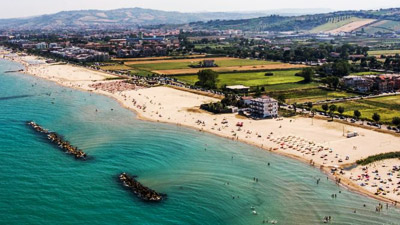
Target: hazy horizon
[28,8]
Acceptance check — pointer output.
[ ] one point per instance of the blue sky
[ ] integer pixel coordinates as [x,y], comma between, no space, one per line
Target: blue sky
[24,8]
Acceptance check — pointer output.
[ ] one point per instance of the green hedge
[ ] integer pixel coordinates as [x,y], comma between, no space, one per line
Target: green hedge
[379,157]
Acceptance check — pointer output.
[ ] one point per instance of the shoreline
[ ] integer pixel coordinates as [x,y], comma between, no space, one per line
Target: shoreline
[346,183]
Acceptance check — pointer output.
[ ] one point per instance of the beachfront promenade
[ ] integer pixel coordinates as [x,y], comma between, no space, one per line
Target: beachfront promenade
[319,143]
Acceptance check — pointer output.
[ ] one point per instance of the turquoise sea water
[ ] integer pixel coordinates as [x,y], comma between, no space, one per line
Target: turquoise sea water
[39,184]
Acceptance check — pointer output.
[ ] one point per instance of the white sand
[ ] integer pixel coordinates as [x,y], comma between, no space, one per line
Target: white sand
[381,178]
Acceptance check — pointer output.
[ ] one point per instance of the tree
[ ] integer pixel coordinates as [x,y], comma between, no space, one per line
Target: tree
[335,82]
[309,105]
[313,111]
[308,74]
[341,68]
[341,110]
[357,114]
[325,107]
[281,99]
[376,117]
[396,121]
[258,92]
[331,81]
[207,78]
[332,109]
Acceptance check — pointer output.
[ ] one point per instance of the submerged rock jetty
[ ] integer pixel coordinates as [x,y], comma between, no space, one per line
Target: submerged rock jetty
[139,190]
[57,139]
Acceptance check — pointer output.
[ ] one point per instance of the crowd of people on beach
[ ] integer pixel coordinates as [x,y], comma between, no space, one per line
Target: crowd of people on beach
[383,179]
[115,86]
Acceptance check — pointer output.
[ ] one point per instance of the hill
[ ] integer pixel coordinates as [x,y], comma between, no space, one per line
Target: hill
[370,21]
[131,18]
[354,20]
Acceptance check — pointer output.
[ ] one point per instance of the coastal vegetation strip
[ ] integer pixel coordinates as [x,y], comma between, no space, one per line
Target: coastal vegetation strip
[379,157]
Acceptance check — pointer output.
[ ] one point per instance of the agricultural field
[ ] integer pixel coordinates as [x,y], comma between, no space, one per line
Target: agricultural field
[378,53]
[250,79]
[225,64]
[158,58]
[280,66]
[314,95]
[352,26]
[365,73]
[277,89]
[387,107]
[383,26]
[186,63]
[334,24]
[211,45]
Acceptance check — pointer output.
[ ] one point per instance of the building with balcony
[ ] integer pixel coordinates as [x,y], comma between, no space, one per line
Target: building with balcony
[264,107]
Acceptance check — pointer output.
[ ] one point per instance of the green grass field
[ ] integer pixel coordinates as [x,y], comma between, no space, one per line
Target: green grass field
[211,45]
[383,26]
[334,25]
[314,95]
[275,89]
[386,107]
[251,78]
[185,65]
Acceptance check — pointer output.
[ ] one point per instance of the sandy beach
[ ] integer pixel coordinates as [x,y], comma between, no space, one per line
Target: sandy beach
[318,142]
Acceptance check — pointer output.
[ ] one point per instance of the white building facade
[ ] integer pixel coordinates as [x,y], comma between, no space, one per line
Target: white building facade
[264,107]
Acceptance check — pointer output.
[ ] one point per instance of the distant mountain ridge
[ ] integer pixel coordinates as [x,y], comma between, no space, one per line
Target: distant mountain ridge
[133,17]
[302,23]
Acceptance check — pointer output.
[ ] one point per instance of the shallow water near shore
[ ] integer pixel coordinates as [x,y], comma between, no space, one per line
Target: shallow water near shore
[39,184]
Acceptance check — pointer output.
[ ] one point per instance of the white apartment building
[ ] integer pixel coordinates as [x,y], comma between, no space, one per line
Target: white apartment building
[264,107]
